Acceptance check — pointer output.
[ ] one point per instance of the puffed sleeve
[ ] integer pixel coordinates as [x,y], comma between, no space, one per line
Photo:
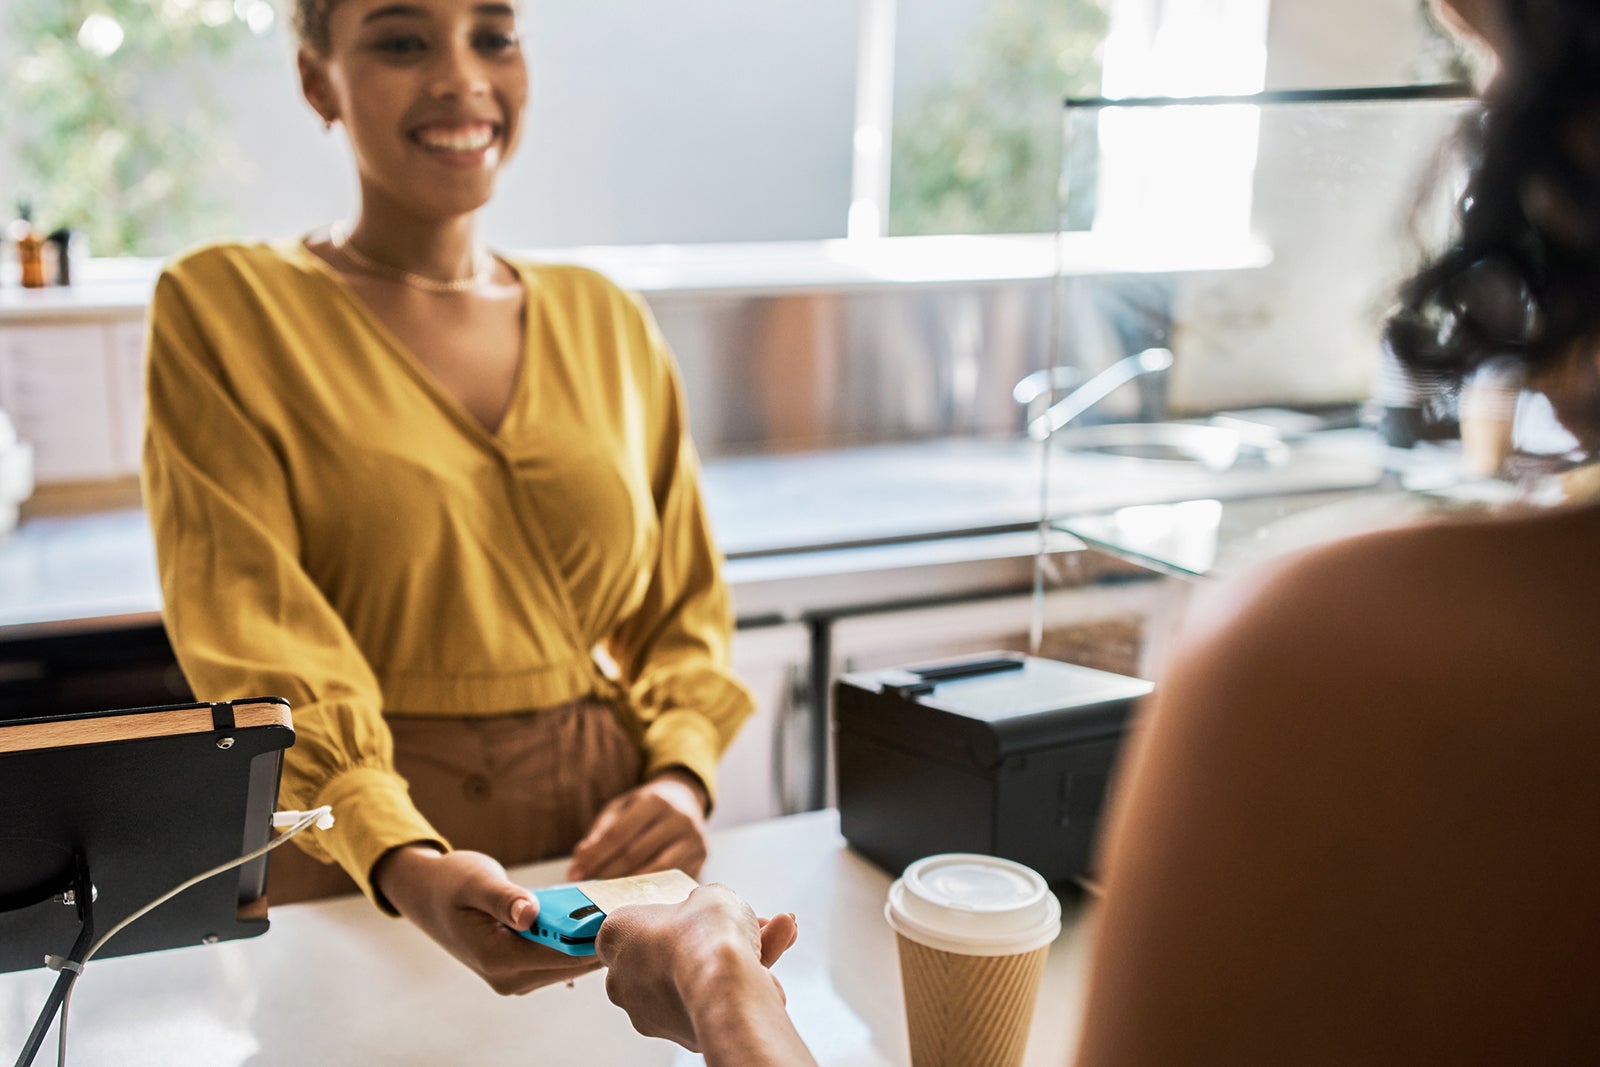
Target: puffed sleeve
[673,651]
[243,615]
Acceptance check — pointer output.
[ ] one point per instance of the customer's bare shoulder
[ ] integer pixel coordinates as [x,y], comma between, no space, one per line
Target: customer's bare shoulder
[1369,777]
[1474,639]
[1453,606]
[1455,579]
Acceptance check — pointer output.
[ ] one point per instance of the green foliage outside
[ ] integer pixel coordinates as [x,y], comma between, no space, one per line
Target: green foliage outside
[980,153]
[111,115]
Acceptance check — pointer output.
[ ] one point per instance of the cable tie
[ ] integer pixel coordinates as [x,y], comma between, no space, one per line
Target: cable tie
[282,820]
[61,963]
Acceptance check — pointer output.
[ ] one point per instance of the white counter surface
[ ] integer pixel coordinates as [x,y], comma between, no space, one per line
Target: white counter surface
[118,287]
[338,983]
[799,530]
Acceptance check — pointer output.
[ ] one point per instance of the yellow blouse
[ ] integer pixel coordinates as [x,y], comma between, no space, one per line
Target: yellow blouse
[333,527]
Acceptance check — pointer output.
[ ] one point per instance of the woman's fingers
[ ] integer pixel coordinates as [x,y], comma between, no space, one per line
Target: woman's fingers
[599,843]
[463,901]
[642,831]
[635,843]
[658,846]
[483,886]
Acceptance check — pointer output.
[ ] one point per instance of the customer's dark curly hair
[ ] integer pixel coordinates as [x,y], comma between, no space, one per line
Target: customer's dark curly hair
[1523,278]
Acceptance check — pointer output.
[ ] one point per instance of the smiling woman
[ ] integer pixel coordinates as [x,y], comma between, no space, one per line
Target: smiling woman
[432,105]
[430,481]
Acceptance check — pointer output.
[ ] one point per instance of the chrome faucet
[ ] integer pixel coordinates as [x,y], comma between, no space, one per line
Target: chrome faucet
[1090,393]
[1043,382]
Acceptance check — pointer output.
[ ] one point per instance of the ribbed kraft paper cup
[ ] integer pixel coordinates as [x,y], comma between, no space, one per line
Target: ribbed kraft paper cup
[973,934]
[968,1011]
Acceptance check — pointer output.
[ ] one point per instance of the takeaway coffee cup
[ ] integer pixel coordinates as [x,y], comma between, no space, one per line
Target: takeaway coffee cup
[973,932]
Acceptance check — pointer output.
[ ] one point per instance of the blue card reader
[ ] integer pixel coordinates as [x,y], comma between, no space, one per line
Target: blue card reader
[570,915]
[568,921]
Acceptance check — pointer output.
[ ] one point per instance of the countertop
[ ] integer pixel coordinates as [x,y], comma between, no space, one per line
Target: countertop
[336,982]
[1220,539]
[951,517]
[120,287]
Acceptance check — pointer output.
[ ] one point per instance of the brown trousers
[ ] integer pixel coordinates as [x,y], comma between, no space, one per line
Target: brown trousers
[519,787]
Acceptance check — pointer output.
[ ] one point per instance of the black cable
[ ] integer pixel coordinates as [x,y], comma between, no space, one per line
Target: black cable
[58,993]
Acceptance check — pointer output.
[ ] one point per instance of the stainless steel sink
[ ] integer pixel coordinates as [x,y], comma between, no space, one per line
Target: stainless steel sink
[765,505]
[1214,446]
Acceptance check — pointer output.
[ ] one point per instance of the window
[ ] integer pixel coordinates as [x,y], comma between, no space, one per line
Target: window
[1179,170]
[977,120]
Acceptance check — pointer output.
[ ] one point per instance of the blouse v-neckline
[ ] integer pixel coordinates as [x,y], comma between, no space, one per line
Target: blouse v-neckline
[448,402]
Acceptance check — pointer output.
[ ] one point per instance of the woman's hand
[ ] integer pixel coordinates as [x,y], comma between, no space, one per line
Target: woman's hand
[464,902]
[653,827]
[695,973]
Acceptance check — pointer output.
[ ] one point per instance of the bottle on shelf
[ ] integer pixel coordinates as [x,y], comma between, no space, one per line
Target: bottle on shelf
[30,248]
[63,246]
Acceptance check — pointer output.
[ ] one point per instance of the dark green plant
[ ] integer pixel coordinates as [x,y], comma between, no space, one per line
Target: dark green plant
[980,153]
[111,115]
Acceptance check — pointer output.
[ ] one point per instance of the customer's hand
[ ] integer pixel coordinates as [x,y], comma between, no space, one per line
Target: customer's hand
[464,902]
[653,827]
[672,965]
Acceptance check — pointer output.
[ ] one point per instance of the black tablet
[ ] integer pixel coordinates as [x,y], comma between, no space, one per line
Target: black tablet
[136,801]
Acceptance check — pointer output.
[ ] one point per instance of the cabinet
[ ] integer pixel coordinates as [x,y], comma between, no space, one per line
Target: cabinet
[76,393]
[1117,627]
[766,771]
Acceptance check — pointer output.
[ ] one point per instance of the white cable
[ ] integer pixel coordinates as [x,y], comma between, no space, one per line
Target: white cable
[285,819]
[321,818]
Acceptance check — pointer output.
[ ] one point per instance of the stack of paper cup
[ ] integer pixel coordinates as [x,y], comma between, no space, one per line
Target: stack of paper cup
[973,933]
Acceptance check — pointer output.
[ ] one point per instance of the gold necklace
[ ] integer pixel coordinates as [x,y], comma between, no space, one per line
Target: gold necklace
[483,267]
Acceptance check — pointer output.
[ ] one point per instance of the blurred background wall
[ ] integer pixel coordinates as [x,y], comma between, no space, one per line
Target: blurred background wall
[696,121]
[705,121]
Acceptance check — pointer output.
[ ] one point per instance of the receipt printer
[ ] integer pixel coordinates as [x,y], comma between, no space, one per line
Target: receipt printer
[1004,754]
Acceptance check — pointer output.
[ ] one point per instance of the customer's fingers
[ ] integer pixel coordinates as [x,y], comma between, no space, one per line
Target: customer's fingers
[778,935]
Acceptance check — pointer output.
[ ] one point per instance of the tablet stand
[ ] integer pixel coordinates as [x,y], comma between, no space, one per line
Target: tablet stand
[81,895]
[101,813]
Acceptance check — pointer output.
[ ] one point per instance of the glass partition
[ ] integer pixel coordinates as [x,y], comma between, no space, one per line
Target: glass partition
[1255,381]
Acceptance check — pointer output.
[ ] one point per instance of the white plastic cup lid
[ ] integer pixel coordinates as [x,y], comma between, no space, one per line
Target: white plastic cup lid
[973,905]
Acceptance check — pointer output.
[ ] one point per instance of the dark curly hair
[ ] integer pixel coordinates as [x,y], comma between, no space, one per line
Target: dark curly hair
[310,20]
[1523,277]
